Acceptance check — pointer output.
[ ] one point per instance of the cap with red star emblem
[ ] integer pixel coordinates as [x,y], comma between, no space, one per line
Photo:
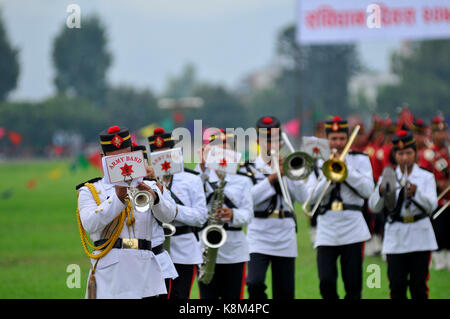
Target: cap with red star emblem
[337,124]
[389,126]
[160,139]
[266,124]
[115,138]
[418,126]
[438,124]
[403,139]
[378,123]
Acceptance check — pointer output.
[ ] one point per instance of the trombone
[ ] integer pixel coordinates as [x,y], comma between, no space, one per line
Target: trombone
[296,166]
[334,170]
[443,208]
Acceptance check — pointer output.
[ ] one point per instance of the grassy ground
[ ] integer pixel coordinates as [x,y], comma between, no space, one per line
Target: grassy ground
[39,238]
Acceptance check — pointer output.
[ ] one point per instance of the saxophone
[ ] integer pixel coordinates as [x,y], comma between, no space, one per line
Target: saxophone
[213,236]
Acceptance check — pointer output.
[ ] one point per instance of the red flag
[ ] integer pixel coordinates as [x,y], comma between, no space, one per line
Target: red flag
[15,138]
[96,160]
[292,127]
[178,117]
[32,183]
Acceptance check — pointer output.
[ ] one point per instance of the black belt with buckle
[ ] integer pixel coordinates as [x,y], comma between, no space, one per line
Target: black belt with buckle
[133,243]
[181,230]
[275,214]
[406,219]
[344,206]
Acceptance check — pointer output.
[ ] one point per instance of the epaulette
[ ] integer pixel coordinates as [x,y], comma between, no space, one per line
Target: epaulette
[358,153]
[248,173]
[426,169]
[188,170]
[93,180]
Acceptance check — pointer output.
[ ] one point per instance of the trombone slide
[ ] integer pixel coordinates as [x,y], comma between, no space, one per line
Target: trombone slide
[440,211]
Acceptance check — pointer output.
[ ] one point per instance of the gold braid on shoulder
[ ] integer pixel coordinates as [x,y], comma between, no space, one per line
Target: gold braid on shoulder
[109,244]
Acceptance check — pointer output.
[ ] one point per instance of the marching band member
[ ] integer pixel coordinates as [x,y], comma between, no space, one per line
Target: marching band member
[436,158]
[229,275]
[186,188]
[419,130]
[272,233]
[341,228]
[163,257]
[408,236]
[104,211]
[376,155]
[386,149]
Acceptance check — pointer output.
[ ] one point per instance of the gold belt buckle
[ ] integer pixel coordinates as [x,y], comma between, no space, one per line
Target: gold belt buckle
[130,243]
[275,214]
[408,219]
[337,206]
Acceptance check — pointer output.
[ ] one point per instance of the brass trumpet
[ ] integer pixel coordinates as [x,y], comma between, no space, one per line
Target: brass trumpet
[141,200]
[334,170]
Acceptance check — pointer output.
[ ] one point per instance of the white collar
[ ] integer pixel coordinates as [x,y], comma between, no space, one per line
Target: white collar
[413,173]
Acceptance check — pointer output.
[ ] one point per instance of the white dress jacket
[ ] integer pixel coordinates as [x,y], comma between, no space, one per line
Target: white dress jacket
[124,273]
[188,187]
[337,228]
[272,236]
[402,237]
[237,189]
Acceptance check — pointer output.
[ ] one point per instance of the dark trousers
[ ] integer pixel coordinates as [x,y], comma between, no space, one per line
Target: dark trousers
[168,282]
[409,269]
[283,276]
[441,227]
[351,258]
[182,285]
[227,282]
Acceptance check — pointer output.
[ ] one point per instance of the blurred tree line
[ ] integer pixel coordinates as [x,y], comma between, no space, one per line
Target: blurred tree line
[311,83]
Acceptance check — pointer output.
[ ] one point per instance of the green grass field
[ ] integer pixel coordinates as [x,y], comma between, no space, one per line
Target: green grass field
[39,238]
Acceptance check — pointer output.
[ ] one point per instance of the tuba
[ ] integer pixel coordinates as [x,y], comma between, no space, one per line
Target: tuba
[213,236]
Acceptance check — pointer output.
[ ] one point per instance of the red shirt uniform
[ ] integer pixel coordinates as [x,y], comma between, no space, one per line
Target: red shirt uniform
[437,160]
[372,149]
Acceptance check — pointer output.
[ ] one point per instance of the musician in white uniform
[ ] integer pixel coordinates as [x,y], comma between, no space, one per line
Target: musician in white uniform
[272,233]
[186,189]
[408,236]
[341,228]
[230,270]
[128,267]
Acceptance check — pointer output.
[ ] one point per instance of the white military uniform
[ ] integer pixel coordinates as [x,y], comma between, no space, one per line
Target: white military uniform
[235,249]
[272,236]
[336,228]
[167,266]
[188,187]
[402,237]
[124,273]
